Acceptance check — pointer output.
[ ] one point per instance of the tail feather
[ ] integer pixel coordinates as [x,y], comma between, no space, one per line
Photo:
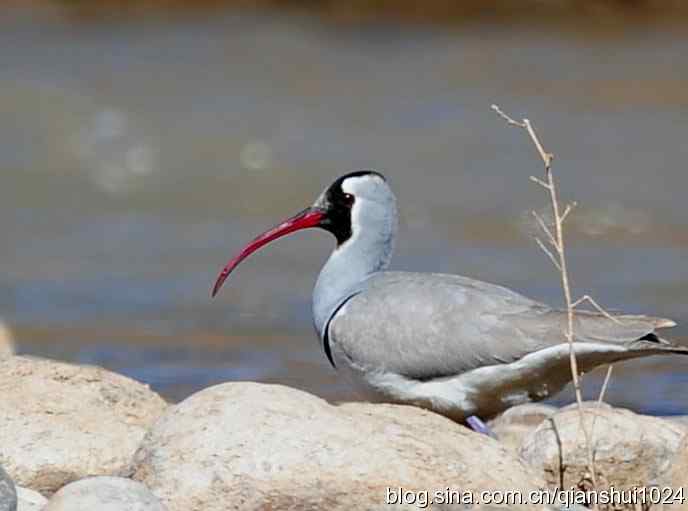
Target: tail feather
[638,332]
[664,323]
[655,344]
[623,328]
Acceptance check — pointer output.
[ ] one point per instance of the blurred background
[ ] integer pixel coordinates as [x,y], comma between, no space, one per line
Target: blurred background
[143,143]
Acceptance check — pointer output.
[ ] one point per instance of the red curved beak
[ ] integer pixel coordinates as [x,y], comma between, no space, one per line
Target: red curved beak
[309,217]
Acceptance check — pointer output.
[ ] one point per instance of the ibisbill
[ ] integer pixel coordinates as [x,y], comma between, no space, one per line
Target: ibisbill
[461,347]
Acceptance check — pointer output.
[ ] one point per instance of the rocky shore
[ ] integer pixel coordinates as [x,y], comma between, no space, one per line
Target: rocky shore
[76,438]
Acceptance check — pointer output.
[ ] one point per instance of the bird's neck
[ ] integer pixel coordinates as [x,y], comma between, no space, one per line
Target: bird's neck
[367,251]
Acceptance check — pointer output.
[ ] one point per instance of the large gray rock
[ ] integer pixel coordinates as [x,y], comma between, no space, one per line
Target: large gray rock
[104,494]
[250,446]
[29,500]
[8,494]
[630,450]
[512,426]
[677,419]
[677,479]
[6,340]
[61,422]
[591,405]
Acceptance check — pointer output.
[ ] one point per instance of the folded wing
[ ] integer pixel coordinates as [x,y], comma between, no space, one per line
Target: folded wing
[427,326]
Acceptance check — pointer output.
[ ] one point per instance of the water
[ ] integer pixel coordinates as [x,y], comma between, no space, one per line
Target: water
[137,158]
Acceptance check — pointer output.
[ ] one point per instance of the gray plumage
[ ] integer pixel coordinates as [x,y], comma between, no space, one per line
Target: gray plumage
[452,344]
[430,329]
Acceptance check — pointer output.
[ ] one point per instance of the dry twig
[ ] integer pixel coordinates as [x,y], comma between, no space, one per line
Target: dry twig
[557,255]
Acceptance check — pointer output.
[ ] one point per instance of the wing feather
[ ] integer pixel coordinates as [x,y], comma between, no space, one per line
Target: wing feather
[426,326]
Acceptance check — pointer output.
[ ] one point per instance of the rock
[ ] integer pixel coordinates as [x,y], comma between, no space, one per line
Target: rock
[514,424]
[8,494]
[677,419]
[677,478]
[594,405]
[6,341]
[104,494]
[29,500]
[530,414]
[252,446]
[630,450]
[62,422]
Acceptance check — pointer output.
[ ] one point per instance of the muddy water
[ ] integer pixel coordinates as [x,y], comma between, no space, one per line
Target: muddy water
[136,158]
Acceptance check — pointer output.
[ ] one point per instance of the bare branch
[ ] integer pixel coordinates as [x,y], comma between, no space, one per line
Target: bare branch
[607,377]
[508,119]
[546,157]
[600,309]
[600,399]
[546,229]
[539,181]
[548,252]
[569,207]
[556,238]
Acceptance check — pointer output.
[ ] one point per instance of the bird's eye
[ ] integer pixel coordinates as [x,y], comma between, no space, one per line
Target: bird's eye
[349,199]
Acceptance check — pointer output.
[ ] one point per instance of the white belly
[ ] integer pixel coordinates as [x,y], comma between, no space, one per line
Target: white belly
[485,392]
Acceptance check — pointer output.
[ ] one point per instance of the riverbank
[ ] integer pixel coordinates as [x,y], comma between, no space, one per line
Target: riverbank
[77,437]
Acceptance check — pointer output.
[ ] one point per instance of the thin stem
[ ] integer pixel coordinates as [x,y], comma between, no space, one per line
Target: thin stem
[539,181]
[591,301]
[548,252]
[607,377]
[600,399]
[569,208]
[556,239]
[546,229]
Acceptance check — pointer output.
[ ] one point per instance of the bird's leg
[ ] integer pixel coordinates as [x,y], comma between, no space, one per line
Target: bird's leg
[477,425]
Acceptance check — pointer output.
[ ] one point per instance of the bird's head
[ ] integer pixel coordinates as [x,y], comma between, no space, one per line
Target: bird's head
[354,203]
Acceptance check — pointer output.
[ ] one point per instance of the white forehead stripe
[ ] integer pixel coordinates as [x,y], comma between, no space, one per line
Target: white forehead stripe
[356,184]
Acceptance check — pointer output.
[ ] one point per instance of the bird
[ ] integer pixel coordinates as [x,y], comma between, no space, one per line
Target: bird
[460,347]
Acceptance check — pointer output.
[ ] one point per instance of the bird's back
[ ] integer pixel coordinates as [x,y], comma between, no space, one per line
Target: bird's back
[427,326]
